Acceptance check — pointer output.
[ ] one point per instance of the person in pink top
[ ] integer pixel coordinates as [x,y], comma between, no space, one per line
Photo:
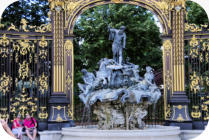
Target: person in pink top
[17,127]
[30,126]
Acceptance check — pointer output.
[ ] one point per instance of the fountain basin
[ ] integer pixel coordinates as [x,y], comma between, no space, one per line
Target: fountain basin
[157,132]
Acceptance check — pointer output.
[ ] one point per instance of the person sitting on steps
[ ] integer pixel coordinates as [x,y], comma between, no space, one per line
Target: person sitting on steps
[30,126]
[17,127]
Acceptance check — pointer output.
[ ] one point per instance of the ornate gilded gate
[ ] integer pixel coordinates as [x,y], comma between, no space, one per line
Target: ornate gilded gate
[36,73]
[25,71]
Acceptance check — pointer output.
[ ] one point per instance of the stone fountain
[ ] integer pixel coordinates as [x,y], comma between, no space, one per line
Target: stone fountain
[119,97]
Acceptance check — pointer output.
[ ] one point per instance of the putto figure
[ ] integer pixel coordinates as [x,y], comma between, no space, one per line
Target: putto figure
[117,47]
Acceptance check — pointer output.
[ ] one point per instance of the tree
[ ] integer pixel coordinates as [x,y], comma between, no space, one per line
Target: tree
[196,14]
[35,11]
[91,37]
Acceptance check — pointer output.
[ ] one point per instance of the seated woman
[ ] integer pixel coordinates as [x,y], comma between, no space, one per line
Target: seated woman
[17,127]
[6,127]
[30,126]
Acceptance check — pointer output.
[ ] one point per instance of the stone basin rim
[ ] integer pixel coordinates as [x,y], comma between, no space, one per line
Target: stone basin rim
[93,132]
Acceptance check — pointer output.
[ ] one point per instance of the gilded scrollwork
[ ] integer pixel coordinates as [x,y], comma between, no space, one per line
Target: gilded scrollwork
[195,81]
[194,50]
[23,70]
[206,102]
[117,1]
[43,83]
[175,3]
[43,54]
[207,81]
[4,113]
[5,83]
[43,42]
[192,28]
[44,28]
[168,112]
[194,41]
[4,41]
[4,52]
[201,57]
[23,104]
[43,113]
[30,58]
[204,107]
[196,112]
[180,118]
[70,111]
[206,116]
[27,28]
[68,80]
[168,80]
[59,114]
[68,47]
[59,118]
[205,46]
[167,45]
[24,46]
[71,5]
[56,3]
[164,6]
[36,58]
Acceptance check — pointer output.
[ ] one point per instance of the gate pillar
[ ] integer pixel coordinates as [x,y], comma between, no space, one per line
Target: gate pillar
[59,102]
[178,98]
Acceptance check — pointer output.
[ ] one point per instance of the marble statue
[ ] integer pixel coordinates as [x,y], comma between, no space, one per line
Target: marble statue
[117,47]
[118,94]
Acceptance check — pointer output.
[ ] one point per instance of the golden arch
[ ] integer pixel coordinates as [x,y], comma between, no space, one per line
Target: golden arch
[160,8]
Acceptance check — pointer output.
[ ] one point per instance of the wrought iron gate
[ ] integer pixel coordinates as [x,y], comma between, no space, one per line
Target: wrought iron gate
[25,71]
[197,73]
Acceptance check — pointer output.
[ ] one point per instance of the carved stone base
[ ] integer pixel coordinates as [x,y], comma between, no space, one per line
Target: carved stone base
[115,115]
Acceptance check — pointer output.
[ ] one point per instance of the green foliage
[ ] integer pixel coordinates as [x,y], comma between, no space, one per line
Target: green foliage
[143,37]
[196,14]
[35,11]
